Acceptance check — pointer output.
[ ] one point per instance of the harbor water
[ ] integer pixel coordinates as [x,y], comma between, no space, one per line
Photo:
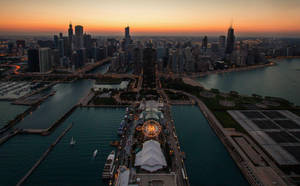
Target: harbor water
[66,96]
[208,162]
[20,153]
[281,80]
[94,128]
[9,111]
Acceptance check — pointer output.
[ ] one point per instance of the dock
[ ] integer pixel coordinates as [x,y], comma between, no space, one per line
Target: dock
[33,99]
[47,131]
[33,106]
[17,119]
[172,173]
[44,132]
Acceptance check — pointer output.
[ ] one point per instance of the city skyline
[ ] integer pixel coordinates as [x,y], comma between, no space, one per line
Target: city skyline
[134,92]
[250,18]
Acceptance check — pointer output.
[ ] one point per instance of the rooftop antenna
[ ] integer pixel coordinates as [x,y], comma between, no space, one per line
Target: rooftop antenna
[231,22]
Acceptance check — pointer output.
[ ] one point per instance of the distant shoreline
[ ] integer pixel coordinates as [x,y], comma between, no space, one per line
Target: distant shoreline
[277,59]
[286,57]
[272,62]
[237,69]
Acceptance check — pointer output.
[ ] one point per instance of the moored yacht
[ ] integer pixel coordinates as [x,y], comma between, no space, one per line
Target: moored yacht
[108,169]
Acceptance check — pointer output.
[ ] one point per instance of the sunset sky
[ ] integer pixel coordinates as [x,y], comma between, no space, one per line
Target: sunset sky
[152,17]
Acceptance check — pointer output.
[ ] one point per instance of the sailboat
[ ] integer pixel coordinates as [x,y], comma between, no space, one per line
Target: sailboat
[72,142]
[95,153]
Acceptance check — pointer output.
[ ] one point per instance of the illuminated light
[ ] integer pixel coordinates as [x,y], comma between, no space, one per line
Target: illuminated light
[151,128]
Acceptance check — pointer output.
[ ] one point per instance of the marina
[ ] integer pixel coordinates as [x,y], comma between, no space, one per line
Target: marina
[15,90]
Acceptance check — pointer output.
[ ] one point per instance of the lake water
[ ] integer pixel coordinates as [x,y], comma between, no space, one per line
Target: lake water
[9,111]
[66,96]
[20,153]
[282,80]
[207,160]
[94,128]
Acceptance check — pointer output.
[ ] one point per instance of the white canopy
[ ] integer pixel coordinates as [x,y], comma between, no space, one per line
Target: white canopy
[151,157]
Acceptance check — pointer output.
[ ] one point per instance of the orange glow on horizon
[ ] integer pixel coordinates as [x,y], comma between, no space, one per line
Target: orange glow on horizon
[151,17]
[145,29]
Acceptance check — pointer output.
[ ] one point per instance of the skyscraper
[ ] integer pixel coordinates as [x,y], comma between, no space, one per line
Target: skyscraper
[127,40]
[70,35]
[149,60]
[33,60]
[230,41]
[87,41]
[55,38]
[67,47]
[127,33]
[222,41]
[137,60]
[204,43]
[61,47]
[44,59]
[78,36]
[81,56]
[70,32]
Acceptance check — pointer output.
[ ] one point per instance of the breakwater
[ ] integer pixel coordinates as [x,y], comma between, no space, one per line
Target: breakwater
[17,119]
[44,156]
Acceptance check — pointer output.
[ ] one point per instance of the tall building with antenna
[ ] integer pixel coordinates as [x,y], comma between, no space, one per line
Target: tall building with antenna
[127,33]
[127,40]
[70,34]
[230,40]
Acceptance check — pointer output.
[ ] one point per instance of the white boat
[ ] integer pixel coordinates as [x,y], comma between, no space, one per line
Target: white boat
[95,153]
[72,142]
[109,167]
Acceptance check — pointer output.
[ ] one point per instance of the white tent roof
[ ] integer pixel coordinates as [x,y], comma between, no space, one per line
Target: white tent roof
[151,115]
[151,157]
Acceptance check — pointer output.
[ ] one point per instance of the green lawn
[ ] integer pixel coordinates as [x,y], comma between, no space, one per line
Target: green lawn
[227,121]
